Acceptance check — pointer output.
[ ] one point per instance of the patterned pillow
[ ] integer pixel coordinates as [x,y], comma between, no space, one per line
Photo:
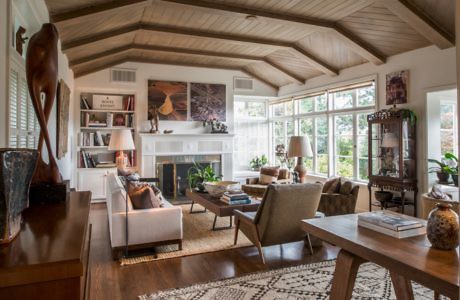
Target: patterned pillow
[268,175]
[332,186]
[346,187]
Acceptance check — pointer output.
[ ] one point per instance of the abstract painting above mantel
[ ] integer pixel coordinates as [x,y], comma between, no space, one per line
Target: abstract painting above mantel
[170,97]
[207,101]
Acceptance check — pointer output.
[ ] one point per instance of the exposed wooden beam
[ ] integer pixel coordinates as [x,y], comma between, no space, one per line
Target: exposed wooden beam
[352,41]
[286,72]
[254,75]
[94,9]
[418,20]
[315,62]
[93,57]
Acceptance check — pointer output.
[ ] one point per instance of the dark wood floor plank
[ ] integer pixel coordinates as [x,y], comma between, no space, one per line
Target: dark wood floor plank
[111,281]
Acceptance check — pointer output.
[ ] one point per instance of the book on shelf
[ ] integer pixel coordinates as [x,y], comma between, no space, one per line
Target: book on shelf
[129,103]
[390,220]
[84,103]
[397,234]
[97,124]
[109,119]
[98,139]
[106,165]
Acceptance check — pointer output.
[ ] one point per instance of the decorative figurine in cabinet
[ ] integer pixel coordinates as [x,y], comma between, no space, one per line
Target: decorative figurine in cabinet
[392,156]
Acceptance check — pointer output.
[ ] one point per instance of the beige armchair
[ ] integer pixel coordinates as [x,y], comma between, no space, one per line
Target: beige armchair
[277,221]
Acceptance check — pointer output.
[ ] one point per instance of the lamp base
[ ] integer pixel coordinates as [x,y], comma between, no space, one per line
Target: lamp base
[301,169]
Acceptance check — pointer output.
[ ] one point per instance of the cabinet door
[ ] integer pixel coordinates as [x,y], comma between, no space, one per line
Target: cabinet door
[94,181]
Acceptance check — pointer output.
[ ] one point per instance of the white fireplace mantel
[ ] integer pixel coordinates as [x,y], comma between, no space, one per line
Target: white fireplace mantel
[153,145]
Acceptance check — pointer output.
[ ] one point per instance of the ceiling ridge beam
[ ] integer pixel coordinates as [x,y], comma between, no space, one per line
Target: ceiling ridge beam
[94,9]
[315,62]
[419,21]
[288,73]
[351,40]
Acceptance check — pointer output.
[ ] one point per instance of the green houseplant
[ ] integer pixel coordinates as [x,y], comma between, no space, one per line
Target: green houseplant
[199,174]
[258,162]
[446,167]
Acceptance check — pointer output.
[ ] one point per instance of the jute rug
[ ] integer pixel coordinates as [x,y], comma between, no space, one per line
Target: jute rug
[198,237]
[312,281]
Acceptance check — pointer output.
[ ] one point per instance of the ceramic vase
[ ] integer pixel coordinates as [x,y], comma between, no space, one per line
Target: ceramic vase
[16,170]
[443,228]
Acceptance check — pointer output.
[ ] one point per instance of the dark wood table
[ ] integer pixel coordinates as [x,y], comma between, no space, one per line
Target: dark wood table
[218,207]
[49,257]
[406,259]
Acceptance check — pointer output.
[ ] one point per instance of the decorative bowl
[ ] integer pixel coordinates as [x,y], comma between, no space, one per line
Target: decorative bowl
[383,196]
[217,189]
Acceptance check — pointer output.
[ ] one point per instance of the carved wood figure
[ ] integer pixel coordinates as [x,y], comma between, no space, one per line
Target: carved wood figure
[42,78]
[20,40]
[154,120]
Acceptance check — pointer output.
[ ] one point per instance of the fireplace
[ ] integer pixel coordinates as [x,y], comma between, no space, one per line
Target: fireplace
[173,170]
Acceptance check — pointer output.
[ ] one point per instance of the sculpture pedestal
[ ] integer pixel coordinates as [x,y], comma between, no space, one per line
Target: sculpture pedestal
[49,193]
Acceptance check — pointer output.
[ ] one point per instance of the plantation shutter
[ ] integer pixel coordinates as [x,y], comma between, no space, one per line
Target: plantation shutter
[13,117]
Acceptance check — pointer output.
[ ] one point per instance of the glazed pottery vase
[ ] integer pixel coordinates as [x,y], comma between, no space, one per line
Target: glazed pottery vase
[442,228]
[17,167]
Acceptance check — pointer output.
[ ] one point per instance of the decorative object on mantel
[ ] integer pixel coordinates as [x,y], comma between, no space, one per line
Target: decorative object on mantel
[168,131]
[170,97]
[300,147]
[154,120]
[216,125]
[258,162]
[20,40]
[42,79]
[208,101]
[443,227]
[397,85]
[17,168]
[121,140]
[63,100]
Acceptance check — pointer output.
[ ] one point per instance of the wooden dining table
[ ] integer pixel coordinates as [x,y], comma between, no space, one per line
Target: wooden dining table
[408,259]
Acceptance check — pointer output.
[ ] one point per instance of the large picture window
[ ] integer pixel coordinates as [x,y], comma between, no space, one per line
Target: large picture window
[335,120]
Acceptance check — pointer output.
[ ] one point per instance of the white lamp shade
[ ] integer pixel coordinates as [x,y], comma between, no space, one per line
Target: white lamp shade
[121,140]
[299,146]
[390,140]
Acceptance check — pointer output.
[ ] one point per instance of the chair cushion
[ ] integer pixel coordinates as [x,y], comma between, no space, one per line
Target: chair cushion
[332,186]
[268,175]
[346,187]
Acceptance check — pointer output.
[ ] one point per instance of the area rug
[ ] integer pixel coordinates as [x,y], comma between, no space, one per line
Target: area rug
[311,281]
[198,237]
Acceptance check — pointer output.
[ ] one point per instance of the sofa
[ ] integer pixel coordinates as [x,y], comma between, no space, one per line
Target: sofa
[146,227]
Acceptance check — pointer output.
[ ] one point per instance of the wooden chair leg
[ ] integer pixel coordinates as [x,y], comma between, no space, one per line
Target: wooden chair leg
[402,287]
[258,244]
[237,228]
[309,243]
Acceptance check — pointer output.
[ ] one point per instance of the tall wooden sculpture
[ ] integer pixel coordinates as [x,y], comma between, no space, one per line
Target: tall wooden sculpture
[42,79]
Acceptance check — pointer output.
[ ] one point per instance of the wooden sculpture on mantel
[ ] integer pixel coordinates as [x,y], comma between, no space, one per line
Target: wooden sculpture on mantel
[42,79]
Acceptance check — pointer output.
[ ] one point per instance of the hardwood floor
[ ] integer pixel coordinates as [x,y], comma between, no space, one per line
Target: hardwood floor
[111,281]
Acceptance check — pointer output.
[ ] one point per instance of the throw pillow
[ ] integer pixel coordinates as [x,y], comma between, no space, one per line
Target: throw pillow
[141,197]
[284,174]
[268,175]
[346,187]
[332,186]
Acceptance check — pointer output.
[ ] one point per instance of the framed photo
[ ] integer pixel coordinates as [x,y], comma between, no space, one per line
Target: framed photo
[170,97]
[397,86]
[208,101]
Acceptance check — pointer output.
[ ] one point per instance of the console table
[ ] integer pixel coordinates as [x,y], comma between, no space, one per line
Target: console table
[49,257]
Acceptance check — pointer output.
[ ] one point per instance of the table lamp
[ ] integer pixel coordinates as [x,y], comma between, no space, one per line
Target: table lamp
[121,140]
[299,146]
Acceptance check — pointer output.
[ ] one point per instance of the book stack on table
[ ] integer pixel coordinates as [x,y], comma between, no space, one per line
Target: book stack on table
[233,198]
[391,223]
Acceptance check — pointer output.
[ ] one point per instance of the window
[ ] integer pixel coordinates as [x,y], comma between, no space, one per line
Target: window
[23,125]
[251,132]
[335,120]
[448,128]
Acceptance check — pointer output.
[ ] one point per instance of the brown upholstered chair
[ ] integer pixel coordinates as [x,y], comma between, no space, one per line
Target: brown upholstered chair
[255,189]
[341,203]
[277,221]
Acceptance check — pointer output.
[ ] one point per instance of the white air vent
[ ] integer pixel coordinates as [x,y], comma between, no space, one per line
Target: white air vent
[123,75]
[243,84]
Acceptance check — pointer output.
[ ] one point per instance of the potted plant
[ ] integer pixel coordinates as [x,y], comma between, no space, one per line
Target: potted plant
[258,162]
[198,174]
[446,167]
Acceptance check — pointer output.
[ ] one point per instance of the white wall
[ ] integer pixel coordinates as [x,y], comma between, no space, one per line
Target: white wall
[429,68]
[34,13]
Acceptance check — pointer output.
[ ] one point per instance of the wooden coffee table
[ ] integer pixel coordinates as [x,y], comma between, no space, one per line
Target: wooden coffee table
[406,259]
[218,207]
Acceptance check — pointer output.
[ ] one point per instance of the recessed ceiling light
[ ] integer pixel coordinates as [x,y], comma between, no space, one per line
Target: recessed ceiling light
[251,17]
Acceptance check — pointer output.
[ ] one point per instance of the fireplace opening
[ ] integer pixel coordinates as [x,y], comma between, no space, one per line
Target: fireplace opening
[173,170]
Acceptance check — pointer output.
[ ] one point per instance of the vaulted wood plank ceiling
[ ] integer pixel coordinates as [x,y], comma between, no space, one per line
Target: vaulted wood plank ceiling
[276,41]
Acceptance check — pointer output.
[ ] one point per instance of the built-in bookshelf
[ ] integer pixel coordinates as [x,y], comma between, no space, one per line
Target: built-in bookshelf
[100,114]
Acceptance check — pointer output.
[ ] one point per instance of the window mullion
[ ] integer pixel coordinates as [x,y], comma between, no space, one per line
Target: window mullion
[355,143]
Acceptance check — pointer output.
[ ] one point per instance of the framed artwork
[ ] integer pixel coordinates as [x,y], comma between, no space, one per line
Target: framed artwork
[397,85]
[170,98]
[63,100]
[207,101]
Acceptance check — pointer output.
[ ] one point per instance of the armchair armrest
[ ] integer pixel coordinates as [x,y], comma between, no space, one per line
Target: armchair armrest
[244,216]
[252,180]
